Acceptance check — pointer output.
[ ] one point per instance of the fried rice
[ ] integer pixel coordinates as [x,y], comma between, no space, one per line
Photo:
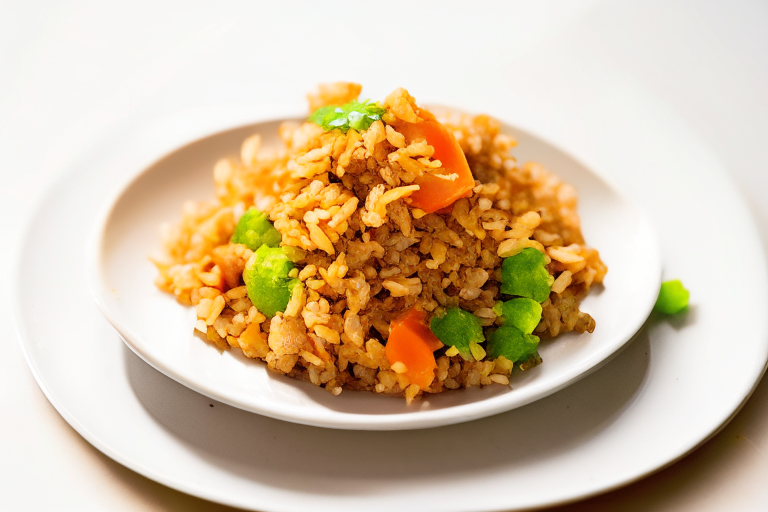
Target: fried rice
[364,254]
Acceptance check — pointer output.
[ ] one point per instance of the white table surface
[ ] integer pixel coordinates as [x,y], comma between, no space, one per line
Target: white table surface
[73,71]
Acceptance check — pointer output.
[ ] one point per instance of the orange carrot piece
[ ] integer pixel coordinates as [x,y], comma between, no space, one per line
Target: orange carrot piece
[412,343]
[437,193]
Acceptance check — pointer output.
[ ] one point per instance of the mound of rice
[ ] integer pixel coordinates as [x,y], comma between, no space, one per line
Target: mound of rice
[365,255]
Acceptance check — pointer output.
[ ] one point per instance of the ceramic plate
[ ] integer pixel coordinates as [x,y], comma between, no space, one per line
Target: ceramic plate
[662,396]
[161,331]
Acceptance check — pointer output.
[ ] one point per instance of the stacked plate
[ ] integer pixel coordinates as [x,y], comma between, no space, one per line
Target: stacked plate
[222,427]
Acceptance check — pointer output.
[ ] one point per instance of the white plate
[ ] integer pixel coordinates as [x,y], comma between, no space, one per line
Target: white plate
[161,331]
[673,386]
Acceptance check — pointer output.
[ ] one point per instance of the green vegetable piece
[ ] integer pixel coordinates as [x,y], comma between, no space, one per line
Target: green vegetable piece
[355,115]
[255,230]
[458,328]
[512,343]
[266,280]
[523,313]
[525,275]
[673,298]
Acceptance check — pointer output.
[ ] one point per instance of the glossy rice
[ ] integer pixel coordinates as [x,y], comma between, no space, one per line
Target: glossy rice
[365,255]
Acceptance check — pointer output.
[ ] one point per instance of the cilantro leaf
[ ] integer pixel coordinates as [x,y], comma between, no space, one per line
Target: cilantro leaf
[355,115]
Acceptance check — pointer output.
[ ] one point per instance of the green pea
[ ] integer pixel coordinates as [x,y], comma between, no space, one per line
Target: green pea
[458,328]
[526,275]
[254,230]
[512,343]
[522,312]
[673,297]
[266,279]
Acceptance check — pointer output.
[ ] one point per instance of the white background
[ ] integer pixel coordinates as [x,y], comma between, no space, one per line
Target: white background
[74,72]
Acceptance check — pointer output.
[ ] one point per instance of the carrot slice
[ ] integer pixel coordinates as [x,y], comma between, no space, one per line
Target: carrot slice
[412,343]
[436,193]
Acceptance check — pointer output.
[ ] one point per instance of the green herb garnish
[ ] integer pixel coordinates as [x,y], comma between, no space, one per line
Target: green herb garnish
[526,275]
[673,298]
[355,115]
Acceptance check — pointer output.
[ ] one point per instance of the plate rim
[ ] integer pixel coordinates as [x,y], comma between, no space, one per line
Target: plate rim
[131,462]
[349,421]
